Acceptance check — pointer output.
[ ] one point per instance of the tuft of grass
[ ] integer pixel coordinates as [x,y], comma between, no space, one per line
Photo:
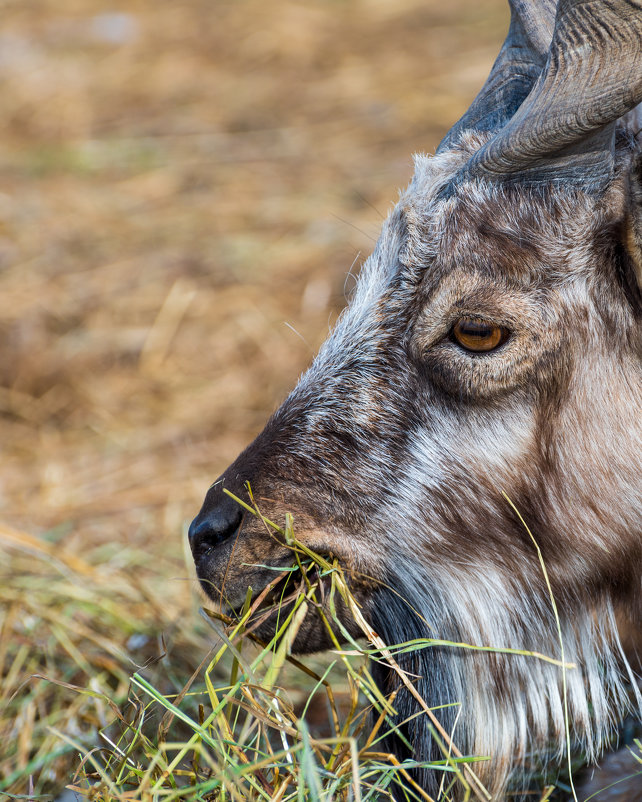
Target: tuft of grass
[255,723]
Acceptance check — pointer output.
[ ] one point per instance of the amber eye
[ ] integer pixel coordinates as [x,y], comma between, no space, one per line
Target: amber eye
[478,335]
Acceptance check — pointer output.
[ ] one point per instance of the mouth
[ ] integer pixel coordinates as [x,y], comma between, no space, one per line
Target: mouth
[229,583]
[265,589]
[264,586]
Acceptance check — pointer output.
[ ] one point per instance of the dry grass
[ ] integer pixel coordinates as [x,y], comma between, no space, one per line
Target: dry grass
[245,726]
[178,179]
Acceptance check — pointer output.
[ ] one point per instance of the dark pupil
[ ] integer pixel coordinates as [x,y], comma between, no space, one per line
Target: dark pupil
[470,328]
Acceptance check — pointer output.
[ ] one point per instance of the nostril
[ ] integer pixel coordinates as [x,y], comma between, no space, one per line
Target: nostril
[213,526]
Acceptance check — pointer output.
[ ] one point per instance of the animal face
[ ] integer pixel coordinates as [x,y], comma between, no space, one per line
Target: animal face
[491,349]
[402,435]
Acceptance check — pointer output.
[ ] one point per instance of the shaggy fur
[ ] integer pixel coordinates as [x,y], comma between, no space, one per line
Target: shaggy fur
[395,448]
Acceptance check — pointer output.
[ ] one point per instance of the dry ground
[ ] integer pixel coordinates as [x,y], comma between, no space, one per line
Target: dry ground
[185,189]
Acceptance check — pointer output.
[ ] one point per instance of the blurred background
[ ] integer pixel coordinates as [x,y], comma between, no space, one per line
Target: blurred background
[186,192]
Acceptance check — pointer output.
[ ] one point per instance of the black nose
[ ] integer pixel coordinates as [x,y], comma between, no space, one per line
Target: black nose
[217,521]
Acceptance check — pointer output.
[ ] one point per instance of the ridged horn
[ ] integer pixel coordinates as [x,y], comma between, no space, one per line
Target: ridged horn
[517,67]
[564,131]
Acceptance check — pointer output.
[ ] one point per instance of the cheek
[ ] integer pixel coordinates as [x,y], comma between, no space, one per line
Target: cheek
[466,458]
[481,443]
[497,447]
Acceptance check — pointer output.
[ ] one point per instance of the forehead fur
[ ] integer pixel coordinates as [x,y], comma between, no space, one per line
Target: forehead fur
[484,223]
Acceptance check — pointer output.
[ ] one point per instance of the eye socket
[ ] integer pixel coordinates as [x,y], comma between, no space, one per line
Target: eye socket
[478,335]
